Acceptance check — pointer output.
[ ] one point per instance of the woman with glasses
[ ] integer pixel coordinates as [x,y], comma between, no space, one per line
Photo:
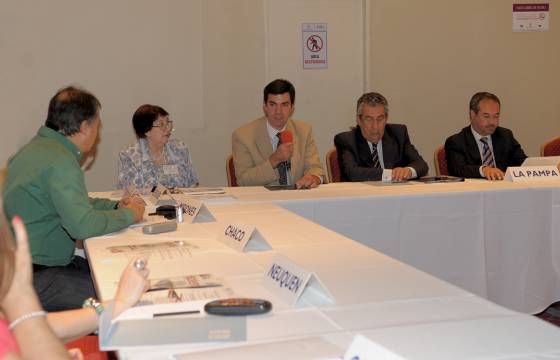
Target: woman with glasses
[155,158]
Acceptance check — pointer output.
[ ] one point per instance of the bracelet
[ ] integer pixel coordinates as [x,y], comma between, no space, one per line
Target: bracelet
[93,304]
[27,316]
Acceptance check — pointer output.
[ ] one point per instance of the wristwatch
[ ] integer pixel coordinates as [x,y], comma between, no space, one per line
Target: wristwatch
[93,304]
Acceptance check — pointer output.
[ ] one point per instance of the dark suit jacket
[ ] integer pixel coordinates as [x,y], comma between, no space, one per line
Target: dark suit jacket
[463,157]
[354,155]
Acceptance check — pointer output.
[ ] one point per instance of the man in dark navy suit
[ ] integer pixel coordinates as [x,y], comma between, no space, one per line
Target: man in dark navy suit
[374,145]
[483,149]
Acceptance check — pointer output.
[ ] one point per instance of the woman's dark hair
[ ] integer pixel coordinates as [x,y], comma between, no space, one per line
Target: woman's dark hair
[143,119]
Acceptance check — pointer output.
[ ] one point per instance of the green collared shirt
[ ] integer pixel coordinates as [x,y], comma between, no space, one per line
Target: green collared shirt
[45,187]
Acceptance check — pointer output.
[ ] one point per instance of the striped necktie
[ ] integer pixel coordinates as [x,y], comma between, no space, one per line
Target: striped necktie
[375,157]
[487,158]
[282,167]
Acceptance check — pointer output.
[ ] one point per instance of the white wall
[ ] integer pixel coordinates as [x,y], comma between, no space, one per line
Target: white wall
[206,62]
[429,57]
[325,98]
[126,52]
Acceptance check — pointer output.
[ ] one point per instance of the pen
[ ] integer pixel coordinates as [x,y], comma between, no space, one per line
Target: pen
[189,312]
[159,288]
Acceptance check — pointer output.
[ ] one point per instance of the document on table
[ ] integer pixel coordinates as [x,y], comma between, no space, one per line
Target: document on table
[390,183]
[186,282]
[154,251]
[202,191]
[190,308]
[204,194]
[183,295]
[168,250]
[149,219]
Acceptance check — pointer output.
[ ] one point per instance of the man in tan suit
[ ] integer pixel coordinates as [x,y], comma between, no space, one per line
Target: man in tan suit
[260,157]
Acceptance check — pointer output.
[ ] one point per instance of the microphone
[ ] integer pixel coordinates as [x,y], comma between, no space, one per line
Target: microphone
[286,136]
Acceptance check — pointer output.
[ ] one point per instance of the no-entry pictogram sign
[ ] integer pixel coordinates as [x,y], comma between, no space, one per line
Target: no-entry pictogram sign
[314,45]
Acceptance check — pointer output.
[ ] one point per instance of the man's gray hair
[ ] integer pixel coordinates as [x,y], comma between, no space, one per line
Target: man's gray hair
[372,99]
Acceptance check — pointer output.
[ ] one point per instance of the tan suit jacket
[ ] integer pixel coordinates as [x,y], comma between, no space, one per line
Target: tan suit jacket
[251,149]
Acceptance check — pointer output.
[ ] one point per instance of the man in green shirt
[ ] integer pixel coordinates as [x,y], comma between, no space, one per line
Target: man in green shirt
[45,187]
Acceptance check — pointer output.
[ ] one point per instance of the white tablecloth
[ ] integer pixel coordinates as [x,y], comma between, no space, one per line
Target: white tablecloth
[498,240]
[372,291]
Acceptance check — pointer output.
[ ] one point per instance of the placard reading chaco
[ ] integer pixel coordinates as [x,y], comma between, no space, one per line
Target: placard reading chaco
[532,173]
[291,282]
[242,237]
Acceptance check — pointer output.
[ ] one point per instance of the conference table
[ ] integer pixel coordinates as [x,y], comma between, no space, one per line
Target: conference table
[498,240]
[411,267]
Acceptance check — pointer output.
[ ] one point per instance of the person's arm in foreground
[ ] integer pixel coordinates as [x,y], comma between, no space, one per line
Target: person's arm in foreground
[35,338]
[72,324]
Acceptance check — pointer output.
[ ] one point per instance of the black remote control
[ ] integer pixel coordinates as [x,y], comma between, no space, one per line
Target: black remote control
[238,306]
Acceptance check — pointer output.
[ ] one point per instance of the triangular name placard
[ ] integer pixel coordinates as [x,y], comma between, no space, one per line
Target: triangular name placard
[295,284]
[195,211]
[242,237]
[532,173]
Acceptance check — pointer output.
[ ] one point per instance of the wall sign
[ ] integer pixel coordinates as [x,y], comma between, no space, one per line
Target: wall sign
[530,17]
[314,45]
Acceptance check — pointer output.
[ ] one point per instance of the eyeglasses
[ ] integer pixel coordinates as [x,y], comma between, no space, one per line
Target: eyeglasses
[165,125]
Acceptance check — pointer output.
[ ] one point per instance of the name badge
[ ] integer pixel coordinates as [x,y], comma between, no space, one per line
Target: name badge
[170,169]
[363,348]
[532,173]
[194,210]
[243,238]
[292,283]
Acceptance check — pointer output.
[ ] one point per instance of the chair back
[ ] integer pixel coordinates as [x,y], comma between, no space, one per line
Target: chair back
[89,345]
[230,172]
[3,172]
[441,162]
[333,168]
[551,148]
